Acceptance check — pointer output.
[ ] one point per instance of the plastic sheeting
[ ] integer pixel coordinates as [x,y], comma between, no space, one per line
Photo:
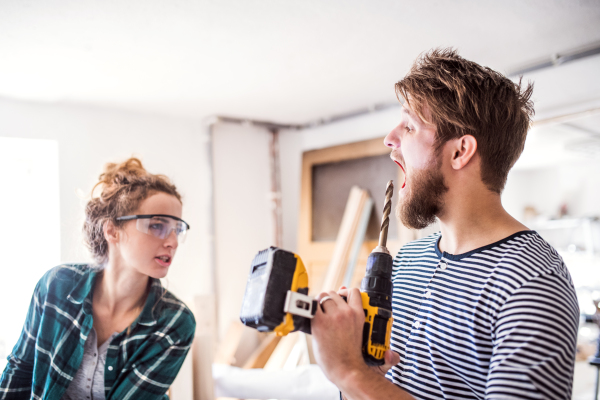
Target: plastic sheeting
[306,382]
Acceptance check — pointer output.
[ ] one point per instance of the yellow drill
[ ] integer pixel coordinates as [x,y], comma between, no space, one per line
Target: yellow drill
[276,298]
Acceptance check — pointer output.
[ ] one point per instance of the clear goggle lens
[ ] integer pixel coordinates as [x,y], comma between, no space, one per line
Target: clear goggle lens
[161,227]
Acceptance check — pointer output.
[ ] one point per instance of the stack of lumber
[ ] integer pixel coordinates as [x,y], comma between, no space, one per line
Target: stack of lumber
[350,237]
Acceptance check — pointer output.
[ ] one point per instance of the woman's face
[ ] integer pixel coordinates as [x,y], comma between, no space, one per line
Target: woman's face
[145,253]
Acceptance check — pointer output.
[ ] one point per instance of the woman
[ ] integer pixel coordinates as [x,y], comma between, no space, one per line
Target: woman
[109,330]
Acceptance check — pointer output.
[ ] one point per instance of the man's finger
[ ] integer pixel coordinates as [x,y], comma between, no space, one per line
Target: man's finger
[355,298]
[391,358]
[324,299]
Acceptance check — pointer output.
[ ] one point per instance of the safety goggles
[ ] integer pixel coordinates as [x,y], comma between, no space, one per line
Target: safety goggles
[159,225]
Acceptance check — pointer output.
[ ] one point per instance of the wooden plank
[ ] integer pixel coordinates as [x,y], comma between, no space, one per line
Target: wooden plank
[261,355]
[282,352]
[309,347]
[203,347]
[202,350]
[229,345]
[357,201]
[359,239]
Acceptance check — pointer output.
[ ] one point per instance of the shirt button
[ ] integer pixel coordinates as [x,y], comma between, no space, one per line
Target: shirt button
[428,294]
[443,265]
[417,324]
[110,368]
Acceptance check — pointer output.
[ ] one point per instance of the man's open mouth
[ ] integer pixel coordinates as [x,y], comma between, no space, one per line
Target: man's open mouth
[403,171]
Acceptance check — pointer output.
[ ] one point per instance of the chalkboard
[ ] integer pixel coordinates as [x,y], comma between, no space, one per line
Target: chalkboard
[331,183]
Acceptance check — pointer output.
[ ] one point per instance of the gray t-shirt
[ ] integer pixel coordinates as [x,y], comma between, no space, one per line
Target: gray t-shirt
[89,379]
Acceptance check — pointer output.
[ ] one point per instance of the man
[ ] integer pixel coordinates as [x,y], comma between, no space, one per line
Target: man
[485,308]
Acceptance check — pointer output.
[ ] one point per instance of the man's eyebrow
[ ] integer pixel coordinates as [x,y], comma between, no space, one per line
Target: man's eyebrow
[407,111]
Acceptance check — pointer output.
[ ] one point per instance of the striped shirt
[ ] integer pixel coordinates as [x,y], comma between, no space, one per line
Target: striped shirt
[140,364]
[497,322]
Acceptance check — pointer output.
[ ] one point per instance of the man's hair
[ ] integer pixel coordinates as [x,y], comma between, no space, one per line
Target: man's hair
[465,98]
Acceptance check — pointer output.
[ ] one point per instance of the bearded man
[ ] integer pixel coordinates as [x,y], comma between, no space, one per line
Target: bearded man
[484,309]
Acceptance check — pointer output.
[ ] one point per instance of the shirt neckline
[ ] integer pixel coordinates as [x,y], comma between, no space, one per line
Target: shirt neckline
[456,257]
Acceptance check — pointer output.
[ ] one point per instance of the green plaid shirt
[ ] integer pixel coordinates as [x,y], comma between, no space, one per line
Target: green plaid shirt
[140,364]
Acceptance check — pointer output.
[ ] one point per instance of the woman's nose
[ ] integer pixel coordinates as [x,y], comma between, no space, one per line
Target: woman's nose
[171,240]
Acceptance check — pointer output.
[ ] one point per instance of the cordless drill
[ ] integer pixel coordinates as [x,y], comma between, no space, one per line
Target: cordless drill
[276,298]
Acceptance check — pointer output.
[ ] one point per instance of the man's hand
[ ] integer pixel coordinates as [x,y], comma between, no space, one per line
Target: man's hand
[337,334]
[337,339]
[391,358]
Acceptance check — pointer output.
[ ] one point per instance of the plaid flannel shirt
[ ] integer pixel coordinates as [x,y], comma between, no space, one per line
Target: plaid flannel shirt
[140,364]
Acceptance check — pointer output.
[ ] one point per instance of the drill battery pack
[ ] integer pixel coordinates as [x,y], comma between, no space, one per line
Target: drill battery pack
[276,298]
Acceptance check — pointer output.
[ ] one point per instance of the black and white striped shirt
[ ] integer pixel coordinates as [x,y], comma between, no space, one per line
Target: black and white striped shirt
[498,322]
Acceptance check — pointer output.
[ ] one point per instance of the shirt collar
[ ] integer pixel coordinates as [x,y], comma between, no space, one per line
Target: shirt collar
[83,290]
[147,316]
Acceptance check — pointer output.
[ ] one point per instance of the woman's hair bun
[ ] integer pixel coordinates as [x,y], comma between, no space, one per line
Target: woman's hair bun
[124,173]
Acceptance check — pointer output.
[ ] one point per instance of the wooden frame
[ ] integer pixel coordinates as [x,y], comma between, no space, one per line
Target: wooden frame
[316,255]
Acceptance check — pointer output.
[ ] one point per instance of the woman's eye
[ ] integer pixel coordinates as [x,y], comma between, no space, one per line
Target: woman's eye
[156,227]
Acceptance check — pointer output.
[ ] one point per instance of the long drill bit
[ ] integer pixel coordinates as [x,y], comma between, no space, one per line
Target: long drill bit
[385,220]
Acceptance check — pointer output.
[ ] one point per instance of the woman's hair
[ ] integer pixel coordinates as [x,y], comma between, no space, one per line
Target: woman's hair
[122,188]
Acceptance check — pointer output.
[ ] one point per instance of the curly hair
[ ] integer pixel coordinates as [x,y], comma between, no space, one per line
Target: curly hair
[122,188]
[465,98]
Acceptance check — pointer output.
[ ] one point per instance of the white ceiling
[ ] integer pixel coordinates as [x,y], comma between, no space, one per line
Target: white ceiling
[285,61]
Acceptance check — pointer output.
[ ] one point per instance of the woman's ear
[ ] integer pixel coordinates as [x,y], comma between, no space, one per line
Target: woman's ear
[463,150]
[111,233]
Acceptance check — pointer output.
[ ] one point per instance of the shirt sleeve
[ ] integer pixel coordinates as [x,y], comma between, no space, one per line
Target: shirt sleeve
[535,338]
[17,378]
[150,378]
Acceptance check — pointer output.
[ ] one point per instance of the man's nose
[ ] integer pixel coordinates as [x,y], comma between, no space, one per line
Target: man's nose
[393,138]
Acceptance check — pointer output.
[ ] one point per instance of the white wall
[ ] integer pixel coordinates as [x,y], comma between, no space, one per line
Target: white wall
[88,138]
[576,184]
[243,218]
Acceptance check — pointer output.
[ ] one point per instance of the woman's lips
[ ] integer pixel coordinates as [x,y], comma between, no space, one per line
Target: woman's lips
[162,262]
[400,165]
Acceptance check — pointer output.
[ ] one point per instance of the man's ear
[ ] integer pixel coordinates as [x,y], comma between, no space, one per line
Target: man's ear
[463,150]
[111,233]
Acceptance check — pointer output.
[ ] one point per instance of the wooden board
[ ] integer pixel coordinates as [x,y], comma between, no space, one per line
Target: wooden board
[229,345]
[262,354]
[282,352]
[202,350]
[357,201]
[203,347]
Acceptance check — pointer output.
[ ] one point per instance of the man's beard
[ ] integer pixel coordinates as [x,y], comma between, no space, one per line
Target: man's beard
[424,201]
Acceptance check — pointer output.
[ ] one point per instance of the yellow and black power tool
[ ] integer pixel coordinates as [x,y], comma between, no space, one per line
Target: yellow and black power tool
[276,298]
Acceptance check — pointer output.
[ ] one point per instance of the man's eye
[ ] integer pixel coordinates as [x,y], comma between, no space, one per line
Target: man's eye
[156,226]
[408,129]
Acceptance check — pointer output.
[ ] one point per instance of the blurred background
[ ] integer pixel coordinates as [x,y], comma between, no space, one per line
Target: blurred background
[229,99]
